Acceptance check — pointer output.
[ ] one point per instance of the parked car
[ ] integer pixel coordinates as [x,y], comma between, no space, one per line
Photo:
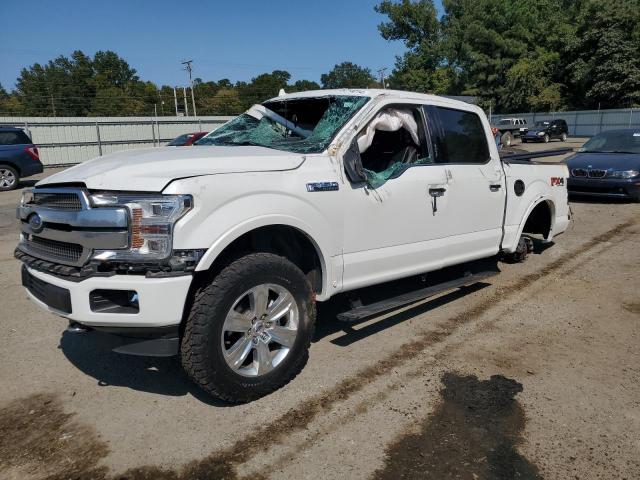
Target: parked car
[223,250]
[18,157]
[186,140]
[546,130]
[511,128]
[607,165]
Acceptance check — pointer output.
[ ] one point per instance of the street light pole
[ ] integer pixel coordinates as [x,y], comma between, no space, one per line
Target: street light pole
[381,72]
[188,68]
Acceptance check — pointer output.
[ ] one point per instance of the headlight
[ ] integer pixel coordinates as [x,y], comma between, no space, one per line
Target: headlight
[151,221]
[540,134]
[27,197]
[623,173]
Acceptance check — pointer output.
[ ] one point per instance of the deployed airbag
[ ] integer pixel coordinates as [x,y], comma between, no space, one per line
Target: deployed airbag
[389,120]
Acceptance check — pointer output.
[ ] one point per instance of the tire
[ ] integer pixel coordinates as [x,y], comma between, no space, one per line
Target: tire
[563,137]
[507,139]
[208,348]
[546,138]
[9,178]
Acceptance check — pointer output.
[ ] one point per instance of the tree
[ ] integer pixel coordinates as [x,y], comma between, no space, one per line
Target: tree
[416,24]
[606,53]
[348,75]
[303,86]
[225,102]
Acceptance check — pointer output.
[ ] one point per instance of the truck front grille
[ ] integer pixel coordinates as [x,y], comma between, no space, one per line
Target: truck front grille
[60,201]
[54,250]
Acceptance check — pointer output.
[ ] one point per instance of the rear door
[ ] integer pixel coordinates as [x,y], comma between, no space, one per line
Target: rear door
[475,190]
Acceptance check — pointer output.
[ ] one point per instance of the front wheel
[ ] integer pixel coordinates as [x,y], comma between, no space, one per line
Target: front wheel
[9,178]
[249,329]
[507,139]
[546,138]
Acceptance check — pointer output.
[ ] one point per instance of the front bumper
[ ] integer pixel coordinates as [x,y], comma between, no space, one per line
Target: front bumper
[602,187]
[161,300]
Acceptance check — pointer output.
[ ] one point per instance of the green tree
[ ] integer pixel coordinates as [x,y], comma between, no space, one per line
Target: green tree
[303,86]
[348,75]
[606,54]
[416,24]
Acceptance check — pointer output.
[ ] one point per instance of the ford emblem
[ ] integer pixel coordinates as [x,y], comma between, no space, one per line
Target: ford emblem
[35,222]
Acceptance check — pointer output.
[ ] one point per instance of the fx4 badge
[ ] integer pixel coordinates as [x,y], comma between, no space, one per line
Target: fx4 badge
[557,181]
[322,187]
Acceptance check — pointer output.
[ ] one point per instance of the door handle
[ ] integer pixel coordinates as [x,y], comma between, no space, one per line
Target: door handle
[435,193]
[495,188]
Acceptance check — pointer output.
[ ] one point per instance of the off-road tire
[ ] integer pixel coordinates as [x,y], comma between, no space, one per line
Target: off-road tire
[200,348]
[15,174]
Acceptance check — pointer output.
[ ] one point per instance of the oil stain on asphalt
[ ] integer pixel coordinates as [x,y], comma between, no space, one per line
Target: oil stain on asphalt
[474,433]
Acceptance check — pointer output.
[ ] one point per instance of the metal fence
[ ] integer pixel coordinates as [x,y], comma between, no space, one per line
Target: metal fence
[71,140]
[585,123]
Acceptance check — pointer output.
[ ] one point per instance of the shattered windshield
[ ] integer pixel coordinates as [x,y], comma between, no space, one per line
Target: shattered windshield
[299,125]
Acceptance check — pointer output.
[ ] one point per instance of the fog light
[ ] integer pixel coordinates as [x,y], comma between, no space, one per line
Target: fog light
[114,301]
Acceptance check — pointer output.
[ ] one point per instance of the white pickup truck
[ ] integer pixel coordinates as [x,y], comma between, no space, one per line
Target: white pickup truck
[219,252]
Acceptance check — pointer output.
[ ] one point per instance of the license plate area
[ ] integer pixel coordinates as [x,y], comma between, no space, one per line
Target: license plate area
[53,296]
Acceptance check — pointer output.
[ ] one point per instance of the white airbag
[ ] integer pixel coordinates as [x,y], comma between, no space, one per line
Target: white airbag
[389,120]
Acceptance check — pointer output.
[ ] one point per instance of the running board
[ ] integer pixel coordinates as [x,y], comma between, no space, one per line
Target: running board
[364,311]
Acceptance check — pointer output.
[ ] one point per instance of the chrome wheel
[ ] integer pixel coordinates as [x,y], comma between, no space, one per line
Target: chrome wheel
[259,330]
[7,178]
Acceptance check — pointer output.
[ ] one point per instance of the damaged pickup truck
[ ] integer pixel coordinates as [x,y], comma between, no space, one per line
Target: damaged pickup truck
[219,253]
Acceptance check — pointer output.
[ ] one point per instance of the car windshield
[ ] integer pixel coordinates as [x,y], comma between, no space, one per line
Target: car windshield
[541,124]
[618,141]
[299,125]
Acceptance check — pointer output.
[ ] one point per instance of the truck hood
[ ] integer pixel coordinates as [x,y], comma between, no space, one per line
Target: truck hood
[152,169]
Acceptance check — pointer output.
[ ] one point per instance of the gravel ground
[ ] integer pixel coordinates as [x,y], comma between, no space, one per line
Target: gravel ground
[533,374]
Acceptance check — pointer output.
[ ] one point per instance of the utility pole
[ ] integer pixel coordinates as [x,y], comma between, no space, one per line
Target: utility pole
[175,100]
[188,68]
[381,73]
[186,105]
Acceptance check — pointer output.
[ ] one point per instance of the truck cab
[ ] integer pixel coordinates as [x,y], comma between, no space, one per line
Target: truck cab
[219,253]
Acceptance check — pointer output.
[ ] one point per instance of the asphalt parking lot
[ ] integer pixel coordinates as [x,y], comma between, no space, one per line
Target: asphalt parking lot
[533,374]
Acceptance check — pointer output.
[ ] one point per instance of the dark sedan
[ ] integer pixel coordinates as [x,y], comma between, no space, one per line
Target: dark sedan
[546,130]
[607,165]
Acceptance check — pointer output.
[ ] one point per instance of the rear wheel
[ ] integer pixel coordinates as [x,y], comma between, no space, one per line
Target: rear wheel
[249,329]
[9,178]
[563,137]
[507,139]
[525,245]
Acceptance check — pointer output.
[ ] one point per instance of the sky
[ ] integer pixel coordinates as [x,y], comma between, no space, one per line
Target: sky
[235,39]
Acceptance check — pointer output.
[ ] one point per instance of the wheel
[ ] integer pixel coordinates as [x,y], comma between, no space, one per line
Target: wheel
[563,137]
[546,138]
[525,245]
[249,329]
[9,178]
[507,139]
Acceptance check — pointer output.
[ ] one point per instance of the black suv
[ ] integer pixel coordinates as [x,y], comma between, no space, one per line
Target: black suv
[546,130]
[18,157]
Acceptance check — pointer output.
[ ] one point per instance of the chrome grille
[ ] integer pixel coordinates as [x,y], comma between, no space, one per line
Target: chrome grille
[52,249]
[60,201]
[579,172]
[597,173]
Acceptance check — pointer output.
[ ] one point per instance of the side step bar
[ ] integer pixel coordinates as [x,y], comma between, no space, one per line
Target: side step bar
[364,311]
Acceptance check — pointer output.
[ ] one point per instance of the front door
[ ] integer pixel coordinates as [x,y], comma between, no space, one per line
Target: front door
[390,224]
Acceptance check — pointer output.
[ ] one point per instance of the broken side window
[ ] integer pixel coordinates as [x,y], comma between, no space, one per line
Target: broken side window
[300,125]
